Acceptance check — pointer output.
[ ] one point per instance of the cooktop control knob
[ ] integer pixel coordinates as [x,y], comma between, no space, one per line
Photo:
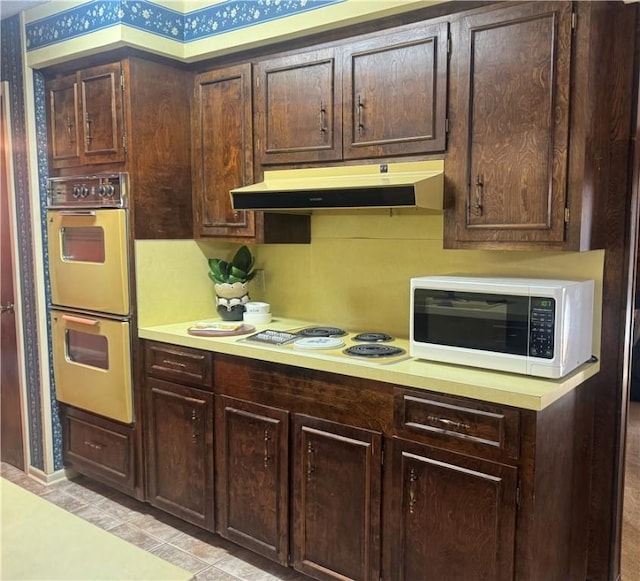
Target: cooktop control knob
[102,191]
[84,191]
[109,190]
[76,191]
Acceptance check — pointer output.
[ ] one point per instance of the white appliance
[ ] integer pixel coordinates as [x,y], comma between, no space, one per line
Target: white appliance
[520,325]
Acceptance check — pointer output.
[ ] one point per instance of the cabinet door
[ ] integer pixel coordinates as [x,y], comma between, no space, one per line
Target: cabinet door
[508,161]
[395,93]
[222,151]
[252,471]
[452,517]
[180,451]
[64,128]
[101,99]
[298,108]
[336,500]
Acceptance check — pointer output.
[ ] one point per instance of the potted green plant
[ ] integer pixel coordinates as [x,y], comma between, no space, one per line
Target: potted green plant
[230,282]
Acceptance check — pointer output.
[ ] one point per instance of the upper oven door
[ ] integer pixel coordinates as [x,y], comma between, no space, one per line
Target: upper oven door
[88,259]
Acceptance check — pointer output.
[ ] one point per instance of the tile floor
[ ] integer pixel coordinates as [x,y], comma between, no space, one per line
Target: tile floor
[207,556]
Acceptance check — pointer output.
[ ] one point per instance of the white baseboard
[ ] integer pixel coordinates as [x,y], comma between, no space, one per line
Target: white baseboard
[46,479]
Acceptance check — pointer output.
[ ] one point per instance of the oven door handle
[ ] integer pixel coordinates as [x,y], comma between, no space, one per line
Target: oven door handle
[81,320]
[77,212]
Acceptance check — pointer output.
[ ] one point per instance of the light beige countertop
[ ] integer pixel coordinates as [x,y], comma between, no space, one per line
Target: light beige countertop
[493,386]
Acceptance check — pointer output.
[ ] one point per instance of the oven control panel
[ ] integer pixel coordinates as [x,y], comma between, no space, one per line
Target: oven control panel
[93,191]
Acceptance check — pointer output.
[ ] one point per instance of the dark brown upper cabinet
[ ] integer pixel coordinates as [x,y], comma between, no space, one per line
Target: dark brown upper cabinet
[131,115]
[222,151]
[378,95]
[64,125]
[86,124]
[508,157]
[223,156]
[298,108]
[395,93]
[101,98]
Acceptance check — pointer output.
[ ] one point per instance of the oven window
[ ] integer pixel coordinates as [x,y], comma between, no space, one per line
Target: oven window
[88,349]
[489,322]
[83,244]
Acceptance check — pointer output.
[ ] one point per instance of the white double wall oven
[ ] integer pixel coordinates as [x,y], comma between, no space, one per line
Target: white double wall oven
[90,278]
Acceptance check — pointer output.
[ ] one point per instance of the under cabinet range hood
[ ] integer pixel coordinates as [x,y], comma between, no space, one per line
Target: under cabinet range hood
[388,185]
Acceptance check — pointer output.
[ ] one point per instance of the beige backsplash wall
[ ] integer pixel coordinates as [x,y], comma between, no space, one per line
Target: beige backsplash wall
[355,273]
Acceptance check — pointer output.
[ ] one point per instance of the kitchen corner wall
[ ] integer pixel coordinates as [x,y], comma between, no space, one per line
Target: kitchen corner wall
[355,273]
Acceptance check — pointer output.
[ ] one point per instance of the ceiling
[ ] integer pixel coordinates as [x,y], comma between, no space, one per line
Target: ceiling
[12,7]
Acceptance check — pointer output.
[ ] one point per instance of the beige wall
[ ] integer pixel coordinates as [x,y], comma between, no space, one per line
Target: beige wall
[355,273]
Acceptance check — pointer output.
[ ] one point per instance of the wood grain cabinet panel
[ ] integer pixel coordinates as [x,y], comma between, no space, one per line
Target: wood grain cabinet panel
[86,117]
[298,108]
[179,431]
[472,427]
[101,448]
[336,500]
[453,516]
[101,97]
[65,131]
[252,476]
[179,364]
[222,151]
[507,165]
[395,93]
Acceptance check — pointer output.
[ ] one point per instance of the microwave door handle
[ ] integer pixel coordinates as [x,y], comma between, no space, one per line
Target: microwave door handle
[81,320]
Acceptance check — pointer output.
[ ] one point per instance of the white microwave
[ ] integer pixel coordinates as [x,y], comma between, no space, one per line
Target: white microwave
[520,325]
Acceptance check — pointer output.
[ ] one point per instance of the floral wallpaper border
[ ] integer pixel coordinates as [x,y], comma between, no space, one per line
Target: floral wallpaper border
[11,71]
[162,21]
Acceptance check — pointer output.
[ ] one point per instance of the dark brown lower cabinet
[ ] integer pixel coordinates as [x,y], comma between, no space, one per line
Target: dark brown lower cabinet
[252,476]
[336,500]
[450,517]
[180,451]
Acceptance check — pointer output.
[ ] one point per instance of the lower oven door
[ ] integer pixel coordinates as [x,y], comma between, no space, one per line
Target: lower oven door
[92,364]
[88,259]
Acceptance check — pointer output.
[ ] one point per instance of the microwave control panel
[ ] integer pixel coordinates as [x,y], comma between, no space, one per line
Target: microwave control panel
[542,315]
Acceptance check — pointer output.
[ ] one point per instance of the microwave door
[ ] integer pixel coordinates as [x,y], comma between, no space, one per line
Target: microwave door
[479,321]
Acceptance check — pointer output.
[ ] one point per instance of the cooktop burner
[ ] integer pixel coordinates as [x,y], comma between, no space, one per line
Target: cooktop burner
[373,350]
[373,337]
[318,343]
[322,332]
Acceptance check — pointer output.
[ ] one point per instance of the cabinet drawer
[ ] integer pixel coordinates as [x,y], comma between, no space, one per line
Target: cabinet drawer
[488,429]
[100,448]
[179,364]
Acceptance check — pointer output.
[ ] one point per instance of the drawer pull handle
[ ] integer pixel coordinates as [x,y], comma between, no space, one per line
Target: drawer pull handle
[309,461]
[447,422]
[170,362]
[93,445]
[266,449]
[413,477]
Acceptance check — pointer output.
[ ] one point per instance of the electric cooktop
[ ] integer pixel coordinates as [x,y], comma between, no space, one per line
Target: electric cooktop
[369,347]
